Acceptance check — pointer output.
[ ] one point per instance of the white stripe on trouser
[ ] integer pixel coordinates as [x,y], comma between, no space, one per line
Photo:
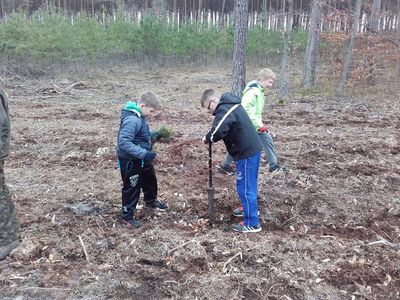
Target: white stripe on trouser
[245,192]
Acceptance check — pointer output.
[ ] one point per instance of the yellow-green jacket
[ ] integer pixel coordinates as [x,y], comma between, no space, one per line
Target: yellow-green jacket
[253,102]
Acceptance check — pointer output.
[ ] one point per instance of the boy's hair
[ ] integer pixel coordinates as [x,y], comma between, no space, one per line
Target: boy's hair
[207,95]
[266,74]
[150,100]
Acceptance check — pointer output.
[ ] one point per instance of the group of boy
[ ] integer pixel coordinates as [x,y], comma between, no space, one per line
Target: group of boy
[238,122]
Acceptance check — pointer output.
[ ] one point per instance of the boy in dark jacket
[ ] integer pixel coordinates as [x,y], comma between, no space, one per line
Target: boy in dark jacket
[136,157]
[233,125]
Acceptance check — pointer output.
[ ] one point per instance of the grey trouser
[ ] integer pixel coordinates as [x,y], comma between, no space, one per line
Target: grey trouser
[268,146]
[8,221]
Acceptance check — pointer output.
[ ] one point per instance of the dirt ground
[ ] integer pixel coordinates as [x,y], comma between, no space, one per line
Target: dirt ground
[331,219]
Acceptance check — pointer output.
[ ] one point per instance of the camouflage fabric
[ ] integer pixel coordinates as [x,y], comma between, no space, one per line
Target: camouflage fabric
[8,222]
[4,126]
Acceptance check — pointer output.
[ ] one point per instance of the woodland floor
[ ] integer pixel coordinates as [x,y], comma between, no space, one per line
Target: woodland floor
[331,220]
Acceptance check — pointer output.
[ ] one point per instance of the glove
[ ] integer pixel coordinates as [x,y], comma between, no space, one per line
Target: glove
[263,129]
[150,155]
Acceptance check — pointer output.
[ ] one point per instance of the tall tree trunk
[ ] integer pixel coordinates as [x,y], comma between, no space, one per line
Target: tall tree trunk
[375,14]
[222,16]
[347,63]
[310,62]
[264,14]
[285,56]
[176,19]
[239,52]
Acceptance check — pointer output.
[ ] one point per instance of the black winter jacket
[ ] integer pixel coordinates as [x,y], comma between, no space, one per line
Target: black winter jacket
[234,127]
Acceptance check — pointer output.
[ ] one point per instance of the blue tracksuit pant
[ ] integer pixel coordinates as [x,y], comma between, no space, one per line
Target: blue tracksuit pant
[246,185]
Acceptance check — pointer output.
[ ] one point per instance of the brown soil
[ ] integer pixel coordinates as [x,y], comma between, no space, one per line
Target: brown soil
[331,220]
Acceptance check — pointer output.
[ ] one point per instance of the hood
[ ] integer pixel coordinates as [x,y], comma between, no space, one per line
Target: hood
[251,84]
[229,98]
[132,107]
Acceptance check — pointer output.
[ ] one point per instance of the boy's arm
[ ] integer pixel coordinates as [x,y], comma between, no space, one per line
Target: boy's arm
[221,126]
[129,128]
[249,100]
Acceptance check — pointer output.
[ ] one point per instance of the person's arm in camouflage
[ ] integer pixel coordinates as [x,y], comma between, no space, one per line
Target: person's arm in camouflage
[4,127]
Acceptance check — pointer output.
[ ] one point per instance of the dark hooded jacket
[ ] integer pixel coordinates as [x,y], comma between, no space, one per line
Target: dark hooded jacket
[4,127]
[233,125]
[134,138]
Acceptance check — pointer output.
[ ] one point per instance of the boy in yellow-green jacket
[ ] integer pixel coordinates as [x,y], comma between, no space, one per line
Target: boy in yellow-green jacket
[253,100]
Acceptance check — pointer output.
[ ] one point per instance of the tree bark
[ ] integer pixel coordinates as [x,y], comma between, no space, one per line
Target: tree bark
[347,63]
[285,57]
[239,52]
[310,61]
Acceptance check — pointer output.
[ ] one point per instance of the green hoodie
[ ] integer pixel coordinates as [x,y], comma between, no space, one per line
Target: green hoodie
[133,107]
[253,102]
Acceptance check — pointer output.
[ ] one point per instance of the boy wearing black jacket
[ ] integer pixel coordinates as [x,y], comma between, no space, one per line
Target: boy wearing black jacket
[233,125]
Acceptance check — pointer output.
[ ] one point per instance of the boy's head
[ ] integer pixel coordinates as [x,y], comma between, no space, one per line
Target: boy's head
[266,78]
[148,103]
[209,99]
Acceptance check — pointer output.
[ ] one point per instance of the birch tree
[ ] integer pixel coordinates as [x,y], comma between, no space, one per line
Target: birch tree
[239,51]
[310,61]
[347,64]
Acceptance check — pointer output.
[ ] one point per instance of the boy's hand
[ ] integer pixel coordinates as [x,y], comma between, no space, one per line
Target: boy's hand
[263,129]
[150,155]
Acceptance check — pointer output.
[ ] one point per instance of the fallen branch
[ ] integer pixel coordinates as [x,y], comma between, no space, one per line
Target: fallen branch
[181,246]
[84,248]
[229,260]
[386,243]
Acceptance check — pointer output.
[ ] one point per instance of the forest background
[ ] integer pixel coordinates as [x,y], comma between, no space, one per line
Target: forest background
[41,35]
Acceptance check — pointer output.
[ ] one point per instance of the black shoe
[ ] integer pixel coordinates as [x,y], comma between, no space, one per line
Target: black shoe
[157,204]
[275,168]
[6,250]
[131,223]
[225,169]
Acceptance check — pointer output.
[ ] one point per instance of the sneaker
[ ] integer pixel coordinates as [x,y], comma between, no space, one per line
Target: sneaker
[157,204]
[132,223]
[225,169]
[275,168]
[243,228]
[238,212]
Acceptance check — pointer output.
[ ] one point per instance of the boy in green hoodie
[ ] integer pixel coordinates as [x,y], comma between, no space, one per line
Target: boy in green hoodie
[253,100]
[136,157]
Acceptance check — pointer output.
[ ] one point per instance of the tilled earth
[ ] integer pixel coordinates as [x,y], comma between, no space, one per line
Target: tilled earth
[331,219]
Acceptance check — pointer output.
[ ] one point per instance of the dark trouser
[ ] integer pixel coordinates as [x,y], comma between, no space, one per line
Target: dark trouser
[136,175]
[8,222]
